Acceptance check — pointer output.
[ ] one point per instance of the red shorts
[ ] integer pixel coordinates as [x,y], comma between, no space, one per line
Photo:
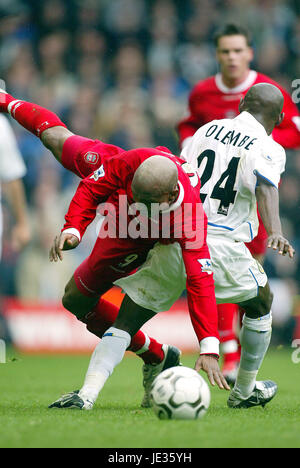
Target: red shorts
[111,259]
[259,244]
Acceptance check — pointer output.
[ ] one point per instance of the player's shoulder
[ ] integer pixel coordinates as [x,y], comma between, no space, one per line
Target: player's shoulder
[261,78]
[211,126]
[272,150]
[204,86]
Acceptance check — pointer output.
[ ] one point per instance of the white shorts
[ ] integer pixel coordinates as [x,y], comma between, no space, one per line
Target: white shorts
[237,274]
[161,280]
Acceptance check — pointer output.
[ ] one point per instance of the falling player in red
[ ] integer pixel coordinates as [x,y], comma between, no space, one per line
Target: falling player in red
[218,97]
[117,253]
[82,156]
[114,257]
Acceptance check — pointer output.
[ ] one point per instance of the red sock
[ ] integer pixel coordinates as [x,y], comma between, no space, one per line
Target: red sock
[147,348]
[34,118]
[104,315]
[228,314]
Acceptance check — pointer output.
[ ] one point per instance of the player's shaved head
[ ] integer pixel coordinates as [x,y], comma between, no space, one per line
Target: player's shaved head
[155,177]
[265,102]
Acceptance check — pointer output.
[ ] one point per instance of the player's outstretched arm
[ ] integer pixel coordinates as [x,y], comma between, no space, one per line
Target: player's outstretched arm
[40,121]
[268,207]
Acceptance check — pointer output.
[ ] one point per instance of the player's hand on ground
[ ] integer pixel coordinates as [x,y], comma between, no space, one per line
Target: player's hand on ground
[210,365]
[62,242]
[278,242]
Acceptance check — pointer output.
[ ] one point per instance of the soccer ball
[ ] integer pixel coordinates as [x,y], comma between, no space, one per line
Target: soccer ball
[180,393]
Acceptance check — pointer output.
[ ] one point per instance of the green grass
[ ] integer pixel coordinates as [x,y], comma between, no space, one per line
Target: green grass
[29,383]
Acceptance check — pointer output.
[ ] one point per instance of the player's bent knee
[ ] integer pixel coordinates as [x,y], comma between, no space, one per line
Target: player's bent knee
[80,311]
[260,305]
[76,303]
[266,300]
[67,303]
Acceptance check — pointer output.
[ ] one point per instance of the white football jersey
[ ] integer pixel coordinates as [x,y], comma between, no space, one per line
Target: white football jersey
[12,166]
[229,154]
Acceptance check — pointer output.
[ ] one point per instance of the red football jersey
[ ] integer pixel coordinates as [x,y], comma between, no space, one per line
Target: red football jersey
[186,218]
[210,99]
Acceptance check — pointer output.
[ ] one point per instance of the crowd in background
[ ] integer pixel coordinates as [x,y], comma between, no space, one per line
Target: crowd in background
[121,71]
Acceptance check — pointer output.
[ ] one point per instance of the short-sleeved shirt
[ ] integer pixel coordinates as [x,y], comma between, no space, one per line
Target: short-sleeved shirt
[230,155]
[12,166]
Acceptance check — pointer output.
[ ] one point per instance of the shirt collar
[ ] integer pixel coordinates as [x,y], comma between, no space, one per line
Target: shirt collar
[250,121]
[252,75]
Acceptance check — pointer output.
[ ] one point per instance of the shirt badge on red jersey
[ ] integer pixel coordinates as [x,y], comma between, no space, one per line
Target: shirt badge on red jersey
[91,157]
[206,265]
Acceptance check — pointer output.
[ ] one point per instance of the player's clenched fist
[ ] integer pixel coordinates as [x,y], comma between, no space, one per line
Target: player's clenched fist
[62,242]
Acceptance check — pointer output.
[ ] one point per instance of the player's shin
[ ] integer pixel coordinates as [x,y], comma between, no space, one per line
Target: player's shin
[255,339]
[107,355]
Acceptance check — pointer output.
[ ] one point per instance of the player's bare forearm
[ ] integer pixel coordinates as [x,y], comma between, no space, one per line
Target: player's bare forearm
[54,139]
[268,206]
[15,194]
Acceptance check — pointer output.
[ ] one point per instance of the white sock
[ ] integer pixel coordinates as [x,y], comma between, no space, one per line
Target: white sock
[106,356]
[255,339]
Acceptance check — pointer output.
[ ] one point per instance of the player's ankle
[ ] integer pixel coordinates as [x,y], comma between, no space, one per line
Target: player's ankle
[151,352]
[155,353]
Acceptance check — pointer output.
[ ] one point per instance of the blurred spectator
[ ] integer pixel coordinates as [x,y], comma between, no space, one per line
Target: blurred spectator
[121,71]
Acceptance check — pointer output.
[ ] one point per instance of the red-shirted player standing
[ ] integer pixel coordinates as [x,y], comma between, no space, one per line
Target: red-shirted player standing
[218,97]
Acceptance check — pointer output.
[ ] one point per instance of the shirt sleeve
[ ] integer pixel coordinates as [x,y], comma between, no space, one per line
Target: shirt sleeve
[270,164]
[200,283]
[287,134]
[201,299]
[82,155]
[12,166]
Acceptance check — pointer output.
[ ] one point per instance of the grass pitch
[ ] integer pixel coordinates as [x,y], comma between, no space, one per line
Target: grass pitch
[28,384]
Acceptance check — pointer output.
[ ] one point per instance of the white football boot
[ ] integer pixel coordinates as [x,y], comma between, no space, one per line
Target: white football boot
[72,401]
[263,392]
